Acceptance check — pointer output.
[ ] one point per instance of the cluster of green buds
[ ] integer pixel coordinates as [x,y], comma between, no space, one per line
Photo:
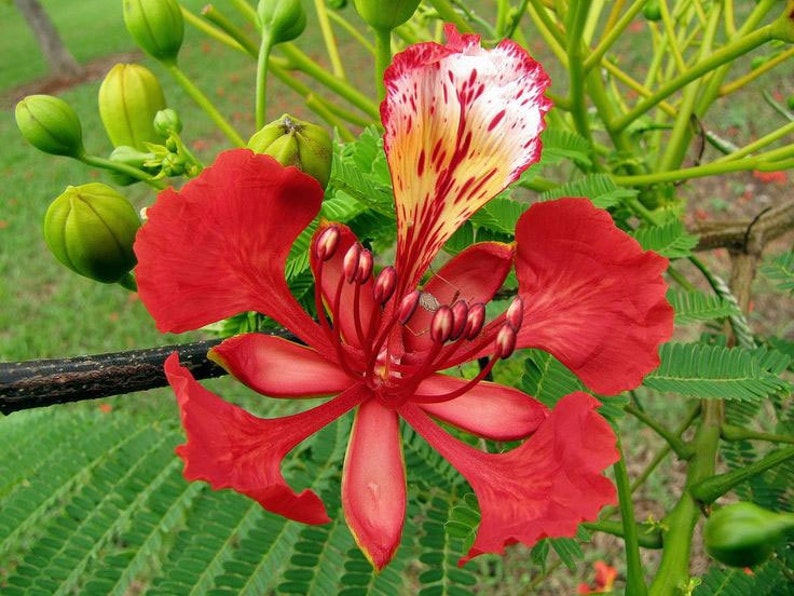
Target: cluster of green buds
[172,158]
[91,229]
[293,142]
[744,534]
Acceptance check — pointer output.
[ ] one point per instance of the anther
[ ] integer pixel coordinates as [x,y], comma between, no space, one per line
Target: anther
[441,324]
[505,341]
[408,306]
[474,320]
[327,243]
[515,313]
[460,315]
[364,266]
[384,285]
[350,263]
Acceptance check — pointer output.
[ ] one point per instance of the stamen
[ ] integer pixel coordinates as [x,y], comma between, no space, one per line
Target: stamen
[441,324]
[515,313]
[364,269]
[407,306]
[505,341]
[350,263]
[327,243]
[474,321]
[460,315]
[384,286]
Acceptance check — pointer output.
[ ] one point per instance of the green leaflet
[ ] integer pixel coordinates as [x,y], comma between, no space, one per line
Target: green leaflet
[696,306]
[716,372]
[670,240]
[781,271]
[599,188]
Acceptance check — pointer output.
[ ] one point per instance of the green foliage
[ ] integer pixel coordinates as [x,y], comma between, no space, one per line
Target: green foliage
[716,372]
[546,378]
[781,271]
[771,579]
[694,306]
[599,188]
[670,240]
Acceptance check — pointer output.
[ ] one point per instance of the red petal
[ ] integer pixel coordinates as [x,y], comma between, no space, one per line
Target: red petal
[332,275]
[373,484]
[473,275]
[218,246]
[487,410]
[230,448]
[592,296]
[543,488]
[461,124]
[279,368]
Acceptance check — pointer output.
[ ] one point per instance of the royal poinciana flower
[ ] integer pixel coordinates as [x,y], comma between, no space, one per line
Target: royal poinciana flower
[461,124]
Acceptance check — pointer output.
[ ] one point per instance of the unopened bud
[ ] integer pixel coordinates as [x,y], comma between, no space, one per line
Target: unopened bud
[505,341]
[384,285]
[91,229]
[296,143]
[282,20]
[350,263]
[130,156]
[441,324]
[386,14]
[327,243]
[157,26]
[50,125]
[474,320]
[129,98]
[167,122]
[460,315]
[515,314]
[408,306]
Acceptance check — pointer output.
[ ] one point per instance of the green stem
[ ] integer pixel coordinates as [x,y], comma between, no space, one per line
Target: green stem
[710,489]
[722,56]
[205,104]
[648,536]
[328,37]
[634,574]
[613,34]
[740,433]
[261,79]
[215,33]
[758,144]
[302,62]
[122,168]
[711,169]
[575,28]
[352,31]
[673,571]
[681,135]
[680,448]
[382,58]
[449,15]
[226,25]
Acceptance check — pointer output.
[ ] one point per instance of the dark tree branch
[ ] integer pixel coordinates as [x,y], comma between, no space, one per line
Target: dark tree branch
[746,235]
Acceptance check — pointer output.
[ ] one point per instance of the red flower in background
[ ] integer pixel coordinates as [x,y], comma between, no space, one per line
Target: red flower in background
[461,124]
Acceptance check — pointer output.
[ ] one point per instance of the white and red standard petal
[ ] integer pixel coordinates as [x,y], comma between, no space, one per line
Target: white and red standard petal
[462,123]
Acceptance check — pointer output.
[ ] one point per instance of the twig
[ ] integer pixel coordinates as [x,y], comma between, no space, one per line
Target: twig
[747,235]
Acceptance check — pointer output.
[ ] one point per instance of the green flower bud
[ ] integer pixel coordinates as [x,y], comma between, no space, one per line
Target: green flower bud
[283,20]
[386,14]
[293,142]
[50,125]
[129,98]
[157,26]
[167,122]
[90,229]
[130,156]
[652,11]
[744,534]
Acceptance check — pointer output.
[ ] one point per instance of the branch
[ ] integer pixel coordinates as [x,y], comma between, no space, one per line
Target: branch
[747,235]
[39,383]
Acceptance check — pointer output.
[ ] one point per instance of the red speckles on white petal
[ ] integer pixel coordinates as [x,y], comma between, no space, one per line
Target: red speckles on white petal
[462,123]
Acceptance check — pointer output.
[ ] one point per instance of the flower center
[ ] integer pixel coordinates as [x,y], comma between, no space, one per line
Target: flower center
[371,344]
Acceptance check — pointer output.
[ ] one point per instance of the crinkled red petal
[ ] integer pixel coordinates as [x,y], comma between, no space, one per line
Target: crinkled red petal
[279,368]
[373,483]
[462,123]
[230,448]
[488,410]
[218,246]
[592,297]
[543,488]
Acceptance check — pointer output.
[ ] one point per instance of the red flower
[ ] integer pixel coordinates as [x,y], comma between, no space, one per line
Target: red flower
[461,124]
[605,576]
